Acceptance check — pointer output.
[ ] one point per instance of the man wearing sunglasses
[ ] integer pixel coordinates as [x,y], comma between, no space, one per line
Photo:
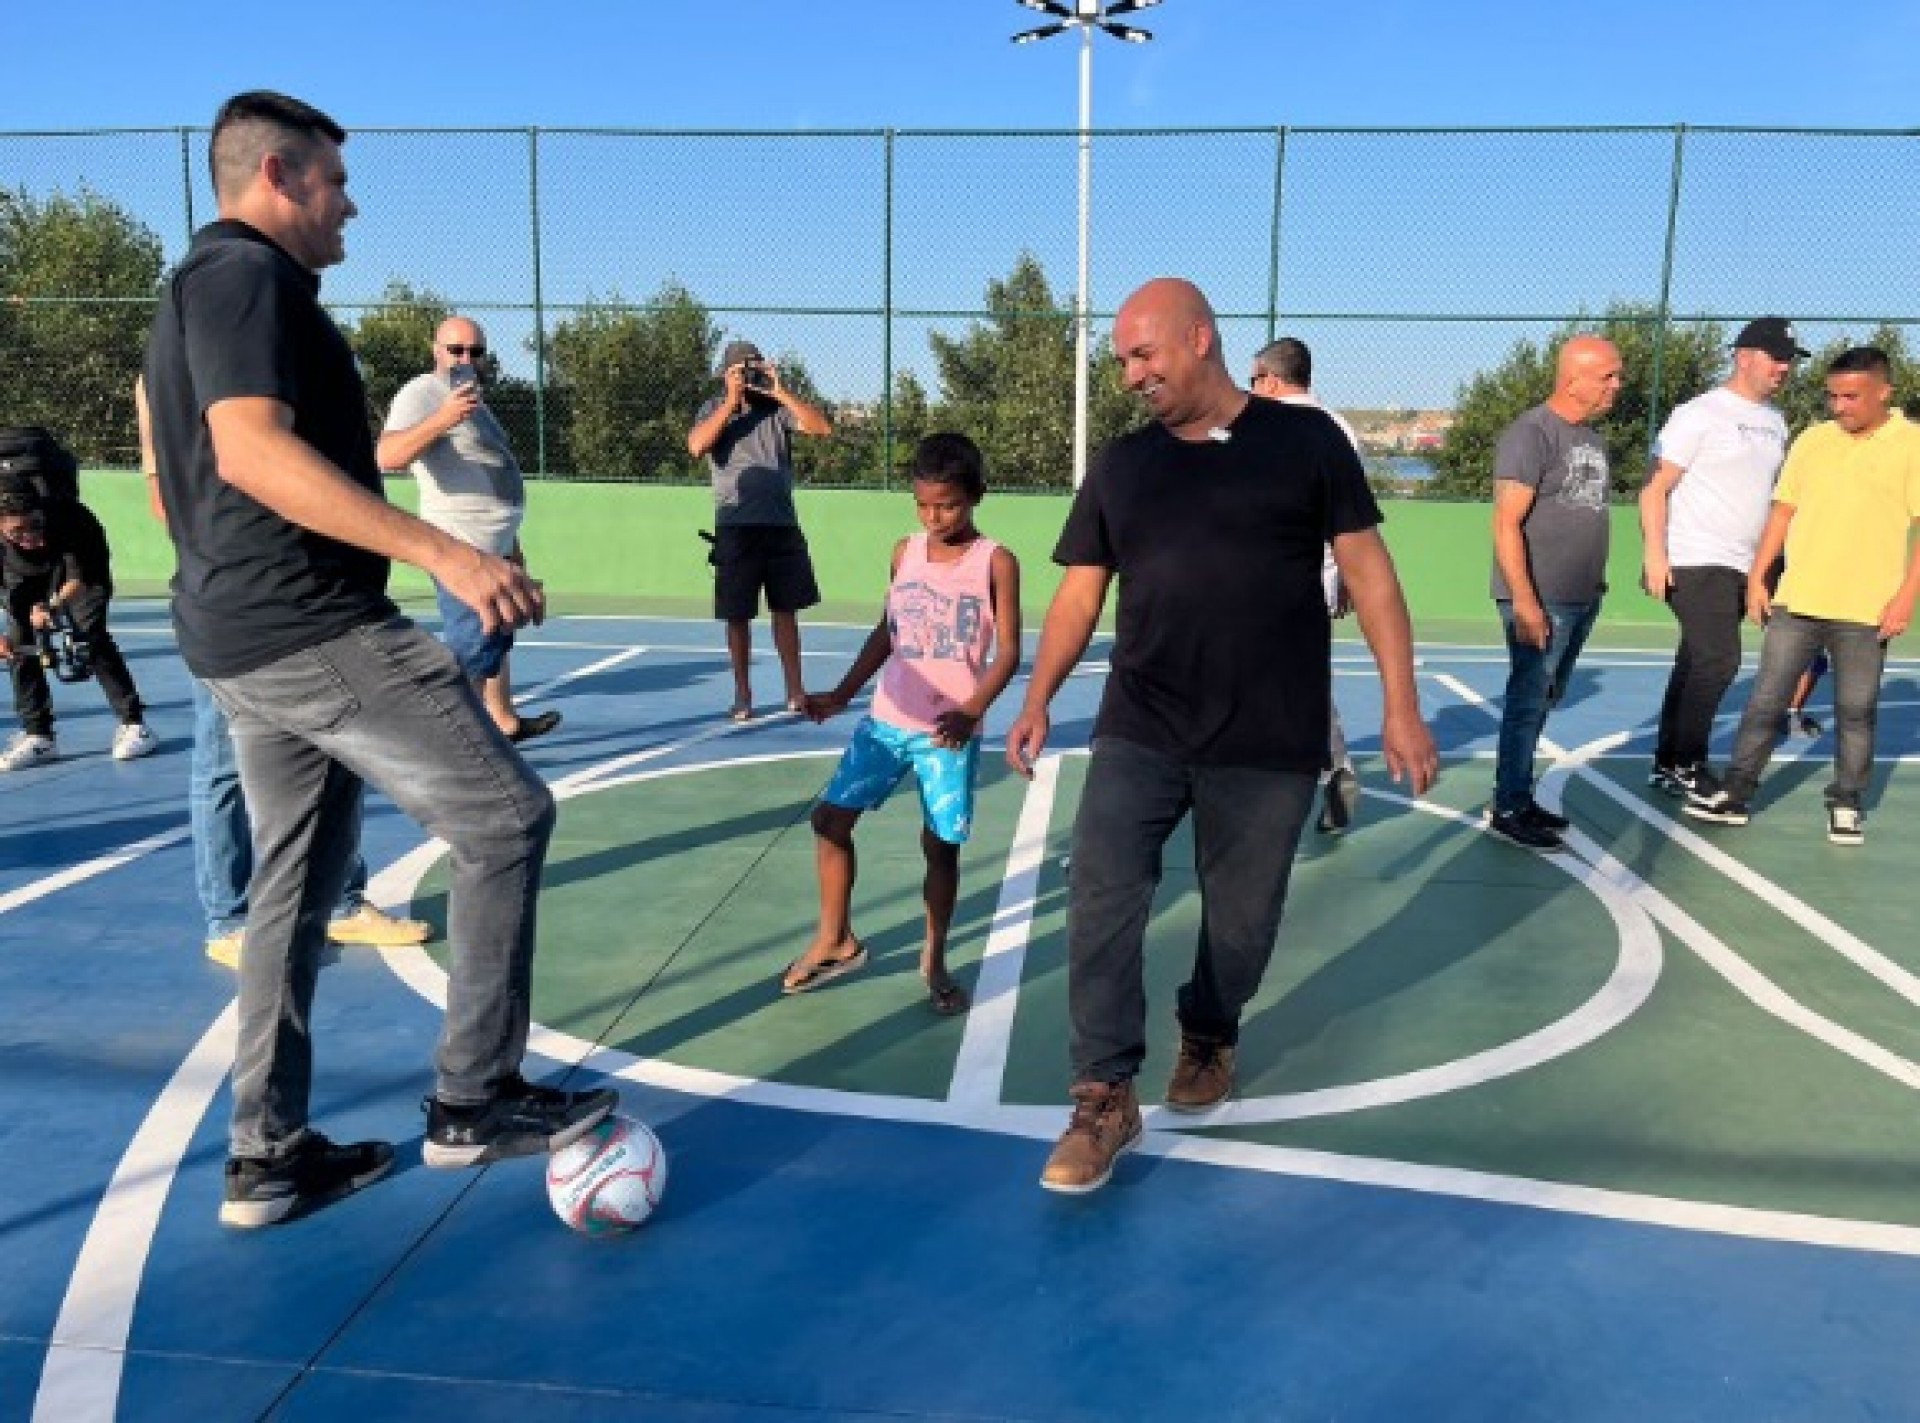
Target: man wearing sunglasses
[441,431]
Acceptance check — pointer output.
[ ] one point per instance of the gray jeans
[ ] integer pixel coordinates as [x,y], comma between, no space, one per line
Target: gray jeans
[1858,656]
[385,703]
[1246,827]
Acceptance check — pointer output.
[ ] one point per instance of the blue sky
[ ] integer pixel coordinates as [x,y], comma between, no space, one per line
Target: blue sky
[837,63]
[1376,232]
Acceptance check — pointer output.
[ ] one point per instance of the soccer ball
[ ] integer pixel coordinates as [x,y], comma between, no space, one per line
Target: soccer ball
[610,1180]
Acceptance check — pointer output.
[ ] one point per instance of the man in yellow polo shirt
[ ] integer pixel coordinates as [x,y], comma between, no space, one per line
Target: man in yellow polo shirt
[1843,513]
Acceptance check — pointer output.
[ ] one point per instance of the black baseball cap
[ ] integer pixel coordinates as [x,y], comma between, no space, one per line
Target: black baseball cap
[736,352]
[1774,335]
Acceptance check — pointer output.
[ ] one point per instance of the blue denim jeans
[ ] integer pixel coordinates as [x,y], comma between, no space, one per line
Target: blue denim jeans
[222,836]
[1858,657]
[1246,827]
[388,704]
[1536,680]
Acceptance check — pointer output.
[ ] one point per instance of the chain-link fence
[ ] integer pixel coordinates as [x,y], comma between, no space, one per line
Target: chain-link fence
[907,279]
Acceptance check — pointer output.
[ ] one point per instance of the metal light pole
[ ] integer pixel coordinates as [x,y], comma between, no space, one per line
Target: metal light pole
[1085,16]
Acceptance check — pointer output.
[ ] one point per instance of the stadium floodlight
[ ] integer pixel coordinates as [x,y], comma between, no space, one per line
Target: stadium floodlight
[1085,16]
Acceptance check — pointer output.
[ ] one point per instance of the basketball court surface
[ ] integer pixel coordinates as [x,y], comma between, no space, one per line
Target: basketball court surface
[1623,1133]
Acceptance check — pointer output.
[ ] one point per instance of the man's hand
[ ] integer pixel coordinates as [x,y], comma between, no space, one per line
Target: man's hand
[1895,617]
[1531,623]
[40,617]
[1027,738]
[820,705]
[735,377]
[6,648]
[459,407]
[1759,602]
[1409,750]
[954,728]
[1656,576]
[497,589]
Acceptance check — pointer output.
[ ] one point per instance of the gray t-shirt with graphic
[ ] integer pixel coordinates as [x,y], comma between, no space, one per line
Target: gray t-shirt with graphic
[1566,529]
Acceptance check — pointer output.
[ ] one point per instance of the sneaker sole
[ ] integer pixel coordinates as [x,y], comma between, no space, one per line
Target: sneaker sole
[354,938]
[455,1158]
[1713,817]
[1087,1188]
[1554,849]
[252,1215]
[1193,1108]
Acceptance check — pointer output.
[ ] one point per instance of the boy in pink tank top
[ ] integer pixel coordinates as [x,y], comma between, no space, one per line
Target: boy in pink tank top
[946,645]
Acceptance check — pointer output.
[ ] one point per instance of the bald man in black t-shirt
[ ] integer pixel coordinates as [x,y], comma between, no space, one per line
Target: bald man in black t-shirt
[1213,518]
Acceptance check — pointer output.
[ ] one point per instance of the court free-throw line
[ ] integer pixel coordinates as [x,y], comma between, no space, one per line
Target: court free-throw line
[981,1066]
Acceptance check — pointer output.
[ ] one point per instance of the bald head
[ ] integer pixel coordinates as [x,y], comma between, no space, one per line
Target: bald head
[1169,348]
[1586,378]
[461,332]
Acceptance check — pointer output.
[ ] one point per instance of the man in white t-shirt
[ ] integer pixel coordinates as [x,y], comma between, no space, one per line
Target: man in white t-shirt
[1283,371]
[440,428]
[1701,514]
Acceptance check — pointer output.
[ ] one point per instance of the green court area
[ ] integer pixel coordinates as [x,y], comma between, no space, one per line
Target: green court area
[1414,946]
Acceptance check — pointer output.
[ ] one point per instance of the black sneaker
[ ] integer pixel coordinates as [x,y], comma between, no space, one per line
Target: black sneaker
[1846,825]
[522,1120]
[1666,780]
[1339,801]
[1517,829]
[315,1172]
[1535,813]
[1693,780]
[1717,805]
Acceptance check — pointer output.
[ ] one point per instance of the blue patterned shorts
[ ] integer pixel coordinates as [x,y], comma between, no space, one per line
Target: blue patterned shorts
[880,755]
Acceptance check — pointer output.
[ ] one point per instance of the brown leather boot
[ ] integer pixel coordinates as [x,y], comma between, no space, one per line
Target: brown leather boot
[1106,1122]
[1202,1076]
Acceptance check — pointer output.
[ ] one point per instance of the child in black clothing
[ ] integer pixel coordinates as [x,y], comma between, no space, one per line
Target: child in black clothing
[54,560]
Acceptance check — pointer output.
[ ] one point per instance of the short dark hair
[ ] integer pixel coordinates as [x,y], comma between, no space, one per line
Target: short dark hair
[249,126]
[18,496]
[1863,360]
[950,458]
[1288,360]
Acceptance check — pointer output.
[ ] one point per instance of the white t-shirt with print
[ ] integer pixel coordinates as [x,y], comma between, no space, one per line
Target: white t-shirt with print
[1731,450]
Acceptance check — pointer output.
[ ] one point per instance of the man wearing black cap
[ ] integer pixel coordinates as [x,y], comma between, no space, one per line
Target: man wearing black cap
[746,433]
[1701,514]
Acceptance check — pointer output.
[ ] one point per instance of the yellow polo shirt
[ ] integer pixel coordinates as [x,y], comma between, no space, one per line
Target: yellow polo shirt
[1855,498]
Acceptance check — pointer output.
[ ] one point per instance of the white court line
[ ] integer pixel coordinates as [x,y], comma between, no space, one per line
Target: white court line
[80,1381]
[76,874]
[980,1070]
[591,669]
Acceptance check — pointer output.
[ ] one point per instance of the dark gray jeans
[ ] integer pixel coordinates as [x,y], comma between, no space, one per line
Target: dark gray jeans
[1246,827]
[385,703]
[1858,657]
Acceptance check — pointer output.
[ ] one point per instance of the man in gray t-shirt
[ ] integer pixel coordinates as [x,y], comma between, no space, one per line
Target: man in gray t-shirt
[746,434]
[1550,525]
[440,429]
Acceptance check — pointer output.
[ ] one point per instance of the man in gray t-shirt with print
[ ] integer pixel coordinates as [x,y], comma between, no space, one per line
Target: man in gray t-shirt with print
[1550,524]
[440,429]
[746,434]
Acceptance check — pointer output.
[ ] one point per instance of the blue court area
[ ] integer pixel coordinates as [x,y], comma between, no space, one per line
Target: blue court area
[1624,1133]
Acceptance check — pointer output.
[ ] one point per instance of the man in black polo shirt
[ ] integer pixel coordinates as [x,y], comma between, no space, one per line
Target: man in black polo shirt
[275,506]
[1213,518]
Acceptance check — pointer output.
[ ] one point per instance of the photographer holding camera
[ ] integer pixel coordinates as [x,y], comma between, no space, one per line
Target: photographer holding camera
[54,568]
[746,433]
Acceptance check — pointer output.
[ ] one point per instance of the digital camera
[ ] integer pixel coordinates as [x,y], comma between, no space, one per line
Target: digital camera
[64,649]
[754,375]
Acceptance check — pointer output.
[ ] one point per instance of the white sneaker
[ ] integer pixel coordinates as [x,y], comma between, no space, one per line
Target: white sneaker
[134,740]
[1846,826]
[28,749]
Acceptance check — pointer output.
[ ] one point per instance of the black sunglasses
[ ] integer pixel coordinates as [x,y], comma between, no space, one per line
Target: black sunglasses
[453,348]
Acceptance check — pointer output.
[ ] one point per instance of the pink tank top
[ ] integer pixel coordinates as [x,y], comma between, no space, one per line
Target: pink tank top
[941,617]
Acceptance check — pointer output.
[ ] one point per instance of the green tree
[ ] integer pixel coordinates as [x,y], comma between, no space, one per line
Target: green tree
[78,281]
[1803,399]
[1008,382]
[632,379]
[1691,360]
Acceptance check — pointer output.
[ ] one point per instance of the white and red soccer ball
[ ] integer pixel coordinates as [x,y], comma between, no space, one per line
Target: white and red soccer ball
[610,1180]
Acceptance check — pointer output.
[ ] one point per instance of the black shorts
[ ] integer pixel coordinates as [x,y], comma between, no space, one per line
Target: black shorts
[750,557]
